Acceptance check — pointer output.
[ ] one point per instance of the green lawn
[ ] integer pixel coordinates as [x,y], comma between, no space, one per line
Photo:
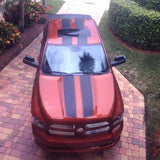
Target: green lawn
[143,71]
[55,4]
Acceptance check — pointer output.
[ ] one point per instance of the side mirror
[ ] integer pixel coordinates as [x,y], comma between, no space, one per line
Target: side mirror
[30,61]
[118,60]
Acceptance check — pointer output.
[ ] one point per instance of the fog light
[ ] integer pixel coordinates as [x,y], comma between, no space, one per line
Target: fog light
[117,120]
[38,123]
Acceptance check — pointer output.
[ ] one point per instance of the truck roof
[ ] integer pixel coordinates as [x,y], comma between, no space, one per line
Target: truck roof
[72,29]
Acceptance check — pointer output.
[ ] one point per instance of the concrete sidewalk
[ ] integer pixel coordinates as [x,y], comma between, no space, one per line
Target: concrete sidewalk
[95,8]
[16,81]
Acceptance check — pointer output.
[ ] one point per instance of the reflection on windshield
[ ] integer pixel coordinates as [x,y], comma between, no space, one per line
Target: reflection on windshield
[87,63]
[75,59]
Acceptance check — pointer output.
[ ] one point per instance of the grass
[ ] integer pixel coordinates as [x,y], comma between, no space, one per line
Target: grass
[55,4]
[143,71]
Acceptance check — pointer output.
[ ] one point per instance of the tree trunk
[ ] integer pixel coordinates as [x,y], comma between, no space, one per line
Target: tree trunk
[21,19]
[44,3]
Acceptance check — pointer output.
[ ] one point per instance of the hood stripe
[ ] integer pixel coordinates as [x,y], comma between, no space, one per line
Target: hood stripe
[87,97]
[69,96]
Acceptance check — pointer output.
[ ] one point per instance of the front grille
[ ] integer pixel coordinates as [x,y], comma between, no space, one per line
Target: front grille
[79,129]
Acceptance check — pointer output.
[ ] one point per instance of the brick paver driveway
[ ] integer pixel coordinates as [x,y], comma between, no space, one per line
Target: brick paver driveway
[16,139]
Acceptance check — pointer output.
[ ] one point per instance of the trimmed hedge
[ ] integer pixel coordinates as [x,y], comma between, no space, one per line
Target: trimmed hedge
[150,4]
[135,25]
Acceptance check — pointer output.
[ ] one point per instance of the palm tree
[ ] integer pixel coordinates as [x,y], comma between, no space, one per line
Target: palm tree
[87,63]
[1,6]
[21,19]
[44,3]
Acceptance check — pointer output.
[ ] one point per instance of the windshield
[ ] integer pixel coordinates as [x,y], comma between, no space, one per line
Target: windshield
[75,59]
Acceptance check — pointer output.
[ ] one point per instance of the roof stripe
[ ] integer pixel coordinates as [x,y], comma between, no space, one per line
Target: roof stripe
[82,39]
[79,23]
[66,24]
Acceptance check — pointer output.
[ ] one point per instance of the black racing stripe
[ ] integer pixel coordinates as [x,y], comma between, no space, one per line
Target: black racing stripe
[82,39]
[66,24]
[87,97]
[69,96]
[79,23]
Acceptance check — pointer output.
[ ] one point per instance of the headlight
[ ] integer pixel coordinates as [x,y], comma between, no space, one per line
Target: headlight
[38,123]
[117,120]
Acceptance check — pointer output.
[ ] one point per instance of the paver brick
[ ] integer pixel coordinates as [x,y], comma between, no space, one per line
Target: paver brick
[16,131]
[3,136]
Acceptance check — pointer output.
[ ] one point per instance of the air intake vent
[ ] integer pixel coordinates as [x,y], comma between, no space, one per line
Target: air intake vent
[68,32]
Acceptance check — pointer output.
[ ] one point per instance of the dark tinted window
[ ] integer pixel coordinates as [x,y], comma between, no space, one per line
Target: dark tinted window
[75,59]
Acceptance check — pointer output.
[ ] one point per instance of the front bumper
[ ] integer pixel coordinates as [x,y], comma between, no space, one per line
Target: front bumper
[81,144]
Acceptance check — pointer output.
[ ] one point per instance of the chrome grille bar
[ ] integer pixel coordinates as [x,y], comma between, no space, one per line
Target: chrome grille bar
[72,129]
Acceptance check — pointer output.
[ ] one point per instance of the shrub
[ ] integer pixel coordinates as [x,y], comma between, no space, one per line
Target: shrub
[135,25]
[150,4]
[32,13]
[11,14]
[9,35]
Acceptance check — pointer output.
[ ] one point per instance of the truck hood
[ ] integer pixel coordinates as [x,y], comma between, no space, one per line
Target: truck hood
[77,96]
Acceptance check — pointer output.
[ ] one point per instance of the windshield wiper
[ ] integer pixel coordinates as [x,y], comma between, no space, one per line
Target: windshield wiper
[55,72]
[89,73]
[76,73]
[83,73]
[59,73]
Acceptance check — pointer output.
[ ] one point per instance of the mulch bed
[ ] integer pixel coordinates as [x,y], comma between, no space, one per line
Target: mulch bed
[157,51]
[26,38]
